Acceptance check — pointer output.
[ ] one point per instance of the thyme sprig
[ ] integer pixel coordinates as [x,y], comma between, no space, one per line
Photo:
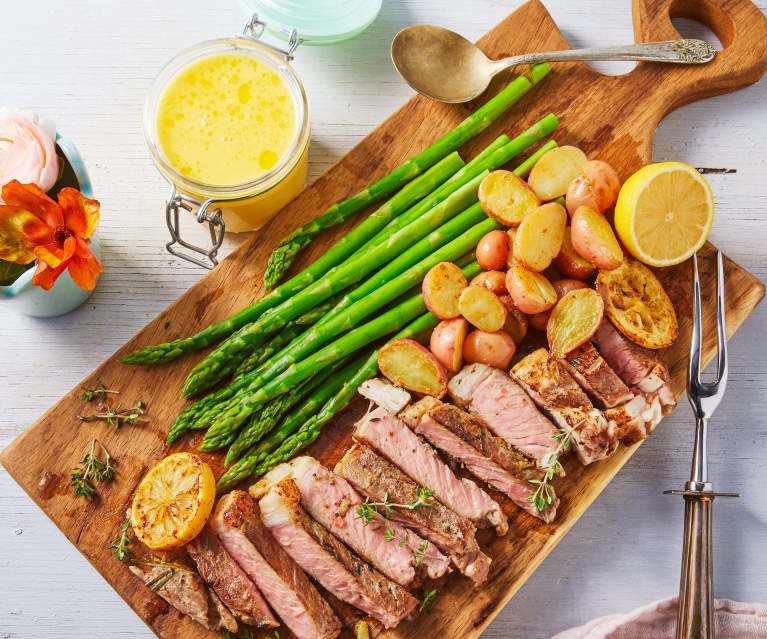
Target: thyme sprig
[543,495]
[164,577]
[369,511]
[427,600]
[119,546]
[99,392]
[117,416]
[92,469]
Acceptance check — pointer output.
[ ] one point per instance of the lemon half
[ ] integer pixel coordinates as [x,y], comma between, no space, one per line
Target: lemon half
[173,501]
[664,213]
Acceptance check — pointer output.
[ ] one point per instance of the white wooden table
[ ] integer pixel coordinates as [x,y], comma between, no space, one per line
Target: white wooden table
[88,63]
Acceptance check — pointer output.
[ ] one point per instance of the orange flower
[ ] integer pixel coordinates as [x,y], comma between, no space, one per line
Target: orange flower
[33,226]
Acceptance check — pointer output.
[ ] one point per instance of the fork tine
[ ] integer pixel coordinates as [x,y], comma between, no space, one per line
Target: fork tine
[693,371]
[721,324]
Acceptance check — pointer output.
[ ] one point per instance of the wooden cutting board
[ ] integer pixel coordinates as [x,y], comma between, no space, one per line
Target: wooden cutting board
[611,117]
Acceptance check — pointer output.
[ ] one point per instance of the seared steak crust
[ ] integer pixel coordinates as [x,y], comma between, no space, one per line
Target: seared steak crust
[378,479]
[594,375]
[229,581]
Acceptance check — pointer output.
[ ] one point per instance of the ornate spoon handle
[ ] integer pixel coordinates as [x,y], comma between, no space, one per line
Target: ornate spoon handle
[684,51]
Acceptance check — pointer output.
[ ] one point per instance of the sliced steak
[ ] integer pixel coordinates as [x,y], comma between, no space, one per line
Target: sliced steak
[595,376]
[486,455]
[186,592]
[229,581]
[332,501]
[495,399]
[396,442]
[378,479]
[657,383]
[557,393]
[385,394]
[630,361]
[238,525]
[634,418]
[327,560]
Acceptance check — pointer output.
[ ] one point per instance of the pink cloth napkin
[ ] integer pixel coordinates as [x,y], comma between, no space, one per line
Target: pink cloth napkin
[657,620]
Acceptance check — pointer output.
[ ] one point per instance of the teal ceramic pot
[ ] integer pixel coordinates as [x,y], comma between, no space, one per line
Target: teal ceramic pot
[65,296]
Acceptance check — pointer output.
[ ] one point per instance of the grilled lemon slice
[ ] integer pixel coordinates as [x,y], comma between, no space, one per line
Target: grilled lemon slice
[173,501]
[636,302]
[664,213]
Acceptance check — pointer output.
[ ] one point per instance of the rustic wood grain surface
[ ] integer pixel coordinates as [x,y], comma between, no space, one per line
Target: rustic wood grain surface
[113,69]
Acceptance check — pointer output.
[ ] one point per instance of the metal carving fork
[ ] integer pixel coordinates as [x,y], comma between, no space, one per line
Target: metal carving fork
[695,617]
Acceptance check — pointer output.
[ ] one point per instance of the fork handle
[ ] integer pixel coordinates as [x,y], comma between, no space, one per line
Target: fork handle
[695,616]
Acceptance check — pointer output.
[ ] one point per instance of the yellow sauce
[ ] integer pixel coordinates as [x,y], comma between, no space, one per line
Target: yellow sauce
[225,120]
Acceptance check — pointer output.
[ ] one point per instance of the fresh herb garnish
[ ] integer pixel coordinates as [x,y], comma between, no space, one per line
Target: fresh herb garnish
[120,545]
[543,495]
[427,600]
[100,392]
[92,469]
[164,577]
[117,416]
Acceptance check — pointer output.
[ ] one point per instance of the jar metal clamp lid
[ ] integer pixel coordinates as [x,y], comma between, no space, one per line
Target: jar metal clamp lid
[206,210]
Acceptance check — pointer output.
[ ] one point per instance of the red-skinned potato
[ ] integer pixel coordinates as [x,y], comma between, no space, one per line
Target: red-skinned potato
[442,285]
[552,174]
[540,321]
[482,308]
[539,236]
[516,320]
[512,233]
[597,186]
[574,320]
[570,264]
[506,197]
[493,349]
[493,250]
[531,291]
[594,240]
[406,363]
[491,280]
[446,343]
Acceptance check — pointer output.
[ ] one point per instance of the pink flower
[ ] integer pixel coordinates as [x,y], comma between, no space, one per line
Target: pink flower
[27,152]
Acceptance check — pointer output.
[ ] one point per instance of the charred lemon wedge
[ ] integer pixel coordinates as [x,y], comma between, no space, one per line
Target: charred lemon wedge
[173,501]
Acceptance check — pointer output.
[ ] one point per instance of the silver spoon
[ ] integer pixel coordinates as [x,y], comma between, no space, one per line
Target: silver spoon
[445,66]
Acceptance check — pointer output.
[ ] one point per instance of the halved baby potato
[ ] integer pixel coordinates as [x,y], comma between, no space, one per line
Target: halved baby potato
[493,250]
[442,285]
[482,308]
[594,240]
[506,197]
[574,320]
[531,291]
[446,342]
[406,363]
[552,174]
[491,280]
[569,263]
[493,349]
[539,237]
[516,321]
[540,321]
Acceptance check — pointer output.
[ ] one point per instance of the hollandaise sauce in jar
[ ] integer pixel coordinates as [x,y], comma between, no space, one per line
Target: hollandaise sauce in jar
[228,121]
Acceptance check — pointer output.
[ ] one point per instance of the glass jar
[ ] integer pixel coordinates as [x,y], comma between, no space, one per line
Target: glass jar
[232,207]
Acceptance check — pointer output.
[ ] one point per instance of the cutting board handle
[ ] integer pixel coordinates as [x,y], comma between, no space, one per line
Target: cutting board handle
[741,28]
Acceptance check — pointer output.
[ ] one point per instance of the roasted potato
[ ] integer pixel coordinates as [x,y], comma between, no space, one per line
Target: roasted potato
[574,320]
[539,237]
[531,291]
[491,280]
[446,343]
[597,186]
[552,174]
[506,198]
[482,308]
[636,302]
[493,250]
[494,349]
[406,363]
[570,264]
[540,321]
[594,240]
[441,288]
[516,320]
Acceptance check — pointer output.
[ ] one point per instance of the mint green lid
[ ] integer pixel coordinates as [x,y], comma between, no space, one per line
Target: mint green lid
[316,21]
